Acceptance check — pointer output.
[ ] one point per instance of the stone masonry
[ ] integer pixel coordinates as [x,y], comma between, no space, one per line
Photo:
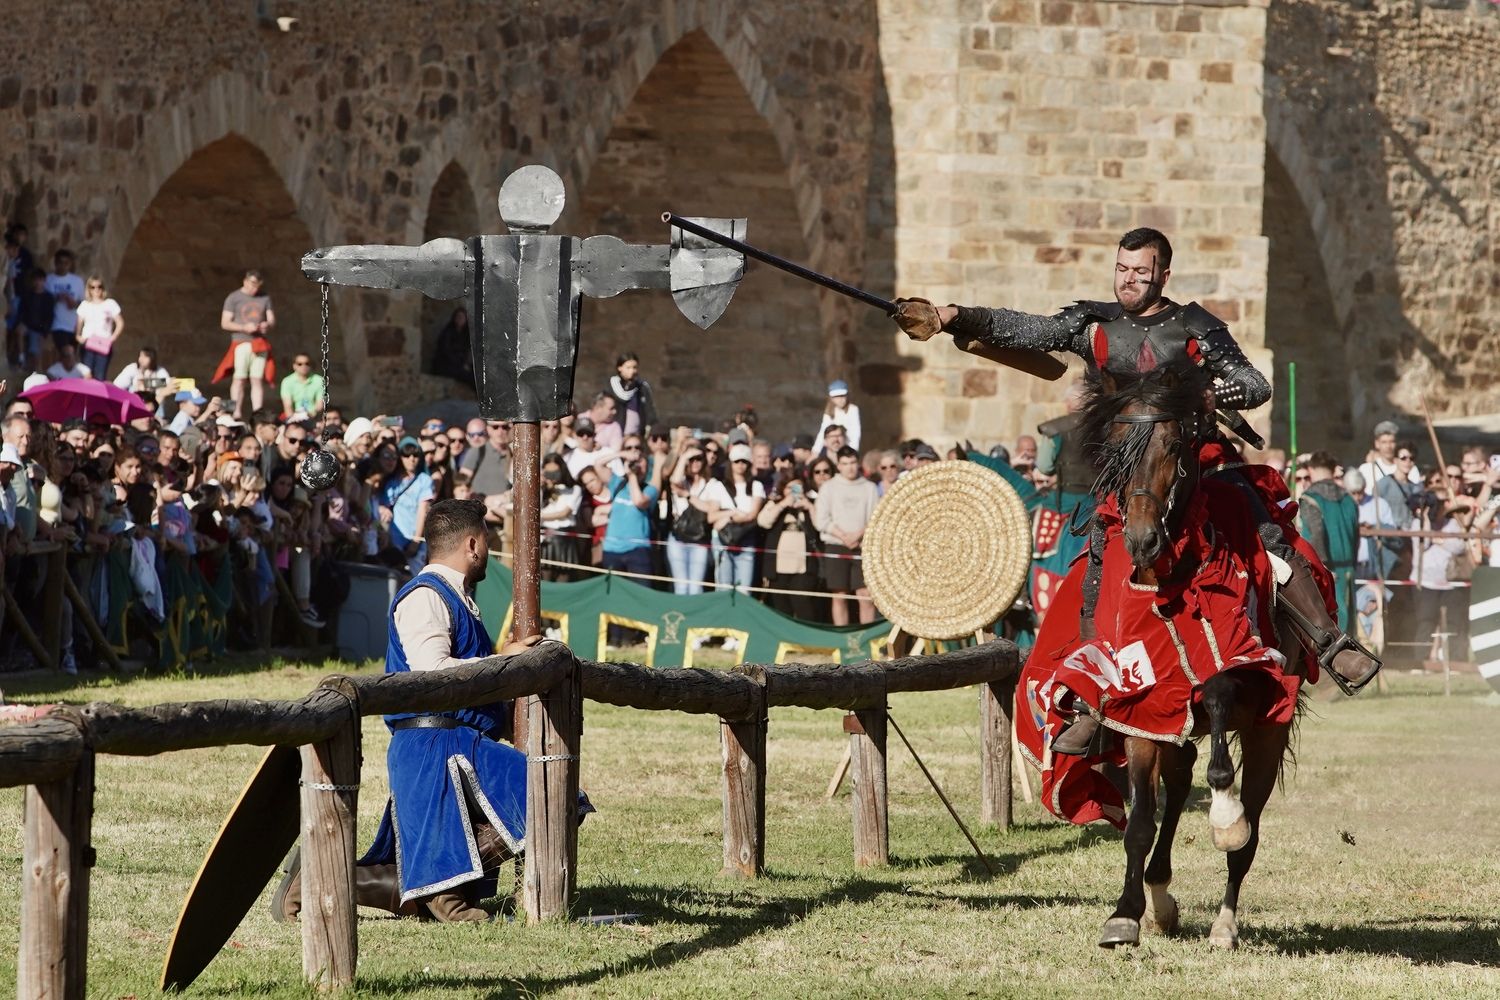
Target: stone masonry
[1323,168]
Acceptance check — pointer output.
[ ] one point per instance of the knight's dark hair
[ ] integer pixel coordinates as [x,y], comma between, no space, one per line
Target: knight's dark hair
[1138,239]
[450,521]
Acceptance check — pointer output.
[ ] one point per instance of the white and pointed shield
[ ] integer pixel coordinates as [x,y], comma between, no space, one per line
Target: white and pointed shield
[704,274]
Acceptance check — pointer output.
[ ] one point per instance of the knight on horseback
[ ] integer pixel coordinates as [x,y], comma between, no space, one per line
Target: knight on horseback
[1139,331]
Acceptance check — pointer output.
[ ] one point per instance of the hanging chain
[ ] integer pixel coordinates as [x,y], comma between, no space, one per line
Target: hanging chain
[326,434]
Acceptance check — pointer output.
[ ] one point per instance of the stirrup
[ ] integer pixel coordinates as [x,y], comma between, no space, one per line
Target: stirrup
[1332,643]
[1342,642]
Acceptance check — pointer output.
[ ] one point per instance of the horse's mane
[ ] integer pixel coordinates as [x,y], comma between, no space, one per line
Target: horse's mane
[1176,388]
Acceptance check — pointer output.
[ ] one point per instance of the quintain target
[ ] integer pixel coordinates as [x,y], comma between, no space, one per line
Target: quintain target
[947,550]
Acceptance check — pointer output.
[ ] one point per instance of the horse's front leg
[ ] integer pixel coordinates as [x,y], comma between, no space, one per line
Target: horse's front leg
[1226,814]
[1142,759]
[1261,749]
[1177,781]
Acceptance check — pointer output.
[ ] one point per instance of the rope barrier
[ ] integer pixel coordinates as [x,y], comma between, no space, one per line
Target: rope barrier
[563,533]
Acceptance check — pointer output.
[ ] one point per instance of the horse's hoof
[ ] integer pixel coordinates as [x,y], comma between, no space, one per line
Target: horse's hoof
[1226,818]
[1161,912]
[1232,837]
[1120,930]
[1225,932]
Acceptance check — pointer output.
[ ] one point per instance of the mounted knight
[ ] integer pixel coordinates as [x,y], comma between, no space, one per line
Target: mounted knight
[1140,331]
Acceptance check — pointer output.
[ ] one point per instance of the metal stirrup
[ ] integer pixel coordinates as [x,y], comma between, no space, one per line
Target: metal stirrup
[1329,643]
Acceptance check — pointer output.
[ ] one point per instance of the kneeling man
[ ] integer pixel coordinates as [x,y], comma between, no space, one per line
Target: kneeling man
[458,796]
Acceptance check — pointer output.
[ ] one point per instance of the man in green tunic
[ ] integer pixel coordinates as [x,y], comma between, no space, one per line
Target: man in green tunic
[1328,518]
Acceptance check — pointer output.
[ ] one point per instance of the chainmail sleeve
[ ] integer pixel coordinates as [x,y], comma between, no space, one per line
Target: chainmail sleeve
[1009,328]
[1238,385]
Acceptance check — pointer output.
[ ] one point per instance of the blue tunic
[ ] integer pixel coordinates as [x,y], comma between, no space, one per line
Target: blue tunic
[426,829]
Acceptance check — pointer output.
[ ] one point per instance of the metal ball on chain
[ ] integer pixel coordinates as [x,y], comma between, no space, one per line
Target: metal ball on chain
[320,469]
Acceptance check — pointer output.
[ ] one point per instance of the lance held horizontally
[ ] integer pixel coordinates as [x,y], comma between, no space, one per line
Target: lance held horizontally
[1033,362]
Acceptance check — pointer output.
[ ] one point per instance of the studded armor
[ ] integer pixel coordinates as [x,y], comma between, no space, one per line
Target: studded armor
[1104,335]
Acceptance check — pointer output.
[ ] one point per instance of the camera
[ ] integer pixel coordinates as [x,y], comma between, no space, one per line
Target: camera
[153,383]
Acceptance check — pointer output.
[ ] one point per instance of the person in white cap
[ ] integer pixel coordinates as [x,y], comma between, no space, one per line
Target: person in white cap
[736,533]
[839,410]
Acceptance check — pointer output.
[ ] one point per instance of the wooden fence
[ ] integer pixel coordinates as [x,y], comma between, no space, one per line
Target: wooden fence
[54,758]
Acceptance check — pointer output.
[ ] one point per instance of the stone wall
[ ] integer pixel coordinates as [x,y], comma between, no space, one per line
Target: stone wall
[986,151]
[1031,134]
[1385,120]
[360,111]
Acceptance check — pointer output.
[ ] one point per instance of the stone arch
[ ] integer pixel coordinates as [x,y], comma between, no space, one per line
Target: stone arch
[1284,143]
[451,211]
[691,140]
[175,271]
[1303,323]
[733,37]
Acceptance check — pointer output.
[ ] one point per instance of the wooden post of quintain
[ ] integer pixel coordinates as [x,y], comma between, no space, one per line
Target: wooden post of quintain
[330,799]
[555,729]
[866,728]
[743,743]
[56,858]
[526,550]
[996,713]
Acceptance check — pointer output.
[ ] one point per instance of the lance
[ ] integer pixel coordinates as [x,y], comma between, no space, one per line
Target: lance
[1033,362]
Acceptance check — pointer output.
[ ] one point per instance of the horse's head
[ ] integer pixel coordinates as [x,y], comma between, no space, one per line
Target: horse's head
[1145,428]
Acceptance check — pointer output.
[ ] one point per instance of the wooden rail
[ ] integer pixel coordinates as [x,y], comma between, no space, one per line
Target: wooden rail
[54,757]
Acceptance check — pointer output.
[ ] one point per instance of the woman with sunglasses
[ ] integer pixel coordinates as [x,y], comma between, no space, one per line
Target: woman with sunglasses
[100,324]
[405,496]
[736,533]
[697,498]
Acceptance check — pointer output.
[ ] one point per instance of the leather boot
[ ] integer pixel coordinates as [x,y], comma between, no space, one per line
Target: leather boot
[1078,738]
[1336,652]
[286,901]
[376,886]
[379,887]
[493,851]
[453,908]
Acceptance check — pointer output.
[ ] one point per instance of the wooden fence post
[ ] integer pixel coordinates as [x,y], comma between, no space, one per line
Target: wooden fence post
[866,729]
[743,744]
[330,799]
[554,730]
[996,709]
[53,959]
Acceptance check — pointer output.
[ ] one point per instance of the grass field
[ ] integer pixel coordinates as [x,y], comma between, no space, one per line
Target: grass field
[1378,873]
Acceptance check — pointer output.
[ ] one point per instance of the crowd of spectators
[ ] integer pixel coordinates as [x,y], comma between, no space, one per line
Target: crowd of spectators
[1421,529]
[206,490]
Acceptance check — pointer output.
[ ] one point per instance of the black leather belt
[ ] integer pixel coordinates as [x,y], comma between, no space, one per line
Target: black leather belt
[428,722]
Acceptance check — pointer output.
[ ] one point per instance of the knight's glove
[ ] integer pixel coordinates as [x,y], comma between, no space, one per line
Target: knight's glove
[918,318]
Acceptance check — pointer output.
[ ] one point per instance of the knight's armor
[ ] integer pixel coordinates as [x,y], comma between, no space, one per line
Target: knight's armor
[1106,336]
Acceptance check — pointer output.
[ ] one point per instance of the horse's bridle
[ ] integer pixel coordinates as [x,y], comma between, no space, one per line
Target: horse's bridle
[1192,433]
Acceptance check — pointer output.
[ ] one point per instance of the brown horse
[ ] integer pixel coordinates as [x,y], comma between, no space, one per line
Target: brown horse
[1147,429]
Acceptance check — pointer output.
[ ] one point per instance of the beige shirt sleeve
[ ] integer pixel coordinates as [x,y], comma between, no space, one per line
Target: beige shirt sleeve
[425,630]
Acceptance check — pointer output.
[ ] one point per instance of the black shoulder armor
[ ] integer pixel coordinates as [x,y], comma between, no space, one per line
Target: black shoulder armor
[1083,312]
[1200,322]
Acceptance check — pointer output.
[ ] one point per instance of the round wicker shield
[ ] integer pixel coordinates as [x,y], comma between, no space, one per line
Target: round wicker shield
[947,550]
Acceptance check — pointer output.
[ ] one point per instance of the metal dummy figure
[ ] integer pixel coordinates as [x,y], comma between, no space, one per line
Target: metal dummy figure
[524,293]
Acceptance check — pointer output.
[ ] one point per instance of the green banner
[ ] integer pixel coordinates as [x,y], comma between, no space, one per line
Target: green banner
[675,626]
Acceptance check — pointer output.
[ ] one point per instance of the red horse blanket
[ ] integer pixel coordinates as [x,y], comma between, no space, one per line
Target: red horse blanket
[1155,647]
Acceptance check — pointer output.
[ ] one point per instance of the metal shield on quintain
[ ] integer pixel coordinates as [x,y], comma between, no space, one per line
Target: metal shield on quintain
[704,274]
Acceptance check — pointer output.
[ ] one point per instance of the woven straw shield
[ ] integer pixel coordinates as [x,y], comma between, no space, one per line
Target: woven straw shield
[947,550]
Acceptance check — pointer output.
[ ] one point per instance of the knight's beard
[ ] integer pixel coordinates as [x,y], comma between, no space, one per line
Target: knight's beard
[1148,298]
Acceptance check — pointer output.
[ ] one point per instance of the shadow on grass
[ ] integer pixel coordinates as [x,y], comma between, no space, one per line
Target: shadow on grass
[1007,862]
[728,917]
[1423,940]
[48,685]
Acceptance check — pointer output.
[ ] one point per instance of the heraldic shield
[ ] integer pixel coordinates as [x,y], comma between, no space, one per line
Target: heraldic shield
[704,274]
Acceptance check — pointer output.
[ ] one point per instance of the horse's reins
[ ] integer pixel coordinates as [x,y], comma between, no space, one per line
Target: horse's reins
[1193,429]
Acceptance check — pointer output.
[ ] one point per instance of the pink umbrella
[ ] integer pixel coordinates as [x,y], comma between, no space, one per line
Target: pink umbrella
[80,398]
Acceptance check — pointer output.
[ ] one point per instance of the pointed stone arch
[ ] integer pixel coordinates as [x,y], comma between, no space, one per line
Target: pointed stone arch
[1302,319]
[691,140]
[452,212]
[175,271]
